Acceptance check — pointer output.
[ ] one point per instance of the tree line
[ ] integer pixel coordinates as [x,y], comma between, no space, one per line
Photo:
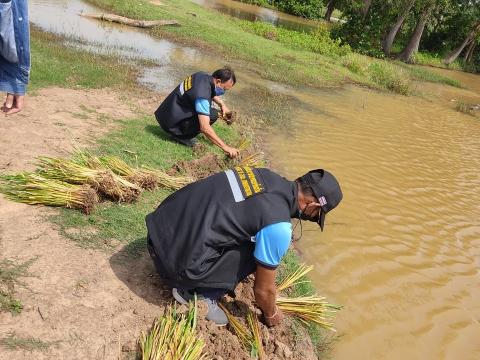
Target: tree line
[399,28]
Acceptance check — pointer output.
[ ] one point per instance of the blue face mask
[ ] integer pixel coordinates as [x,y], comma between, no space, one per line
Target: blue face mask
[219,91]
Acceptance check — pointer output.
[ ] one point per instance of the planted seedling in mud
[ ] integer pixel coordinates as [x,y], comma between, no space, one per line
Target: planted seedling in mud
[173,337]
[250,337]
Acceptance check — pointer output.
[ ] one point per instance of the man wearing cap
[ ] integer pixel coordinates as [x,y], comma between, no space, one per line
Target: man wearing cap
[187,111]
[207,237]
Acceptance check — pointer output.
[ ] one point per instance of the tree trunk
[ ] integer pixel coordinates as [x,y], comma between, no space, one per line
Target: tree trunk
[330,8]
[387,44]
[470,51]
[412,47]
[365,8]
[452,56]
[131,22]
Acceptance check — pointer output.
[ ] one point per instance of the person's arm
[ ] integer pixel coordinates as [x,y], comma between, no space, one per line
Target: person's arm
[208,131]
[217,100]
[271,244]
[266,293]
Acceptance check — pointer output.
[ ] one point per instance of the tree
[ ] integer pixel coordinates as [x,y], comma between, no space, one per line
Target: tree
[330,8]
[390,37]
[452,56]
[408,53]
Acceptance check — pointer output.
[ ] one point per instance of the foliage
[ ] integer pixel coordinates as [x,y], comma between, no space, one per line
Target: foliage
[318,41]
[383,72]
[310,9]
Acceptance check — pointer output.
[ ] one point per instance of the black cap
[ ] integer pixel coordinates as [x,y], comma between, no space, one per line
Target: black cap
[326,189]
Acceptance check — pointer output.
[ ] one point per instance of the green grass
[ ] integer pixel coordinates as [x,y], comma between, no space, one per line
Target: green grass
[53,64]
[277,54]
[13,342]
[138,142]
[10,273]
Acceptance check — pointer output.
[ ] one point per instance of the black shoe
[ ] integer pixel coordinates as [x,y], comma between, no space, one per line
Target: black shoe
[187,142]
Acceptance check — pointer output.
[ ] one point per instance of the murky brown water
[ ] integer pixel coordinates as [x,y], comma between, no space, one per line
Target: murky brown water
[402,252]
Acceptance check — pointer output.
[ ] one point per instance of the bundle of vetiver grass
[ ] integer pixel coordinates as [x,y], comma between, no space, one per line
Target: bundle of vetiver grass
[248,156]
[33,189]
[104,181]
[173,337]
[313,309]
[146,178]
[250,337]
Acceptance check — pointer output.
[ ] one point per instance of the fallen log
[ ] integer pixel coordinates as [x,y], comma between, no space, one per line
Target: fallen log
[131,22]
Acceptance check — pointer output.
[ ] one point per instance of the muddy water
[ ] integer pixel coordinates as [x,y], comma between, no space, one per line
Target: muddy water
[257,13]
[402,253]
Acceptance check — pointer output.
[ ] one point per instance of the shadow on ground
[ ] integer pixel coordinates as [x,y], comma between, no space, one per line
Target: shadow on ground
[133,266]
[157,131]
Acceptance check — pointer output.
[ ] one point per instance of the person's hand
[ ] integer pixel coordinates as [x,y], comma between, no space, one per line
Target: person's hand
[13,104]
[225,110]
[231,151]
[274,320]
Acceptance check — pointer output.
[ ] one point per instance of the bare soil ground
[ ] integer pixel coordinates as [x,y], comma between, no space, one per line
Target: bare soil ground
[84,303]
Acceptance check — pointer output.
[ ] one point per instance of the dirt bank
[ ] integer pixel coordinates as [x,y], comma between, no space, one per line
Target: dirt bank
[84,303]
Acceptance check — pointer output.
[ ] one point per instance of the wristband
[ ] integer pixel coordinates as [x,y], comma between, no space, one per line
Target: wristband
[275,314]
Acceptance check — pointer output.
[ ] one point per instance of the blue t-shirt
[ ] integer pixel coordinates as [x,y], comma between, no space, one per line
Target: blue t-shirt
[272,242]
[202,106]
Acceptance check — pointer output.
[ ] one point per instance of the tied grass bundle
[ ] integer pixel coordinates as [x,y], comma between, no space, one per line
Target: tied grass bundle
[309,309]
[173,337]
[104,181]
[147,180]
[249,157]
[34,189]
[295,277]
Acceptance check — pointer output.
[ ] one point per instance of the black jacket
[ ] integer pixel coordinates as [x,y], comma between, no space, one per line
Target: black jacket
[194,228]
[180,103]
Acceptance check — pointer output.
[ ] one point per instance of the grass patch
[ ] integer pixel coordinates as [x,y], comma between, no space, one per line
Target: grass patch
[13,342]
[389,77]
[10,274]
[278,54]
[53,64]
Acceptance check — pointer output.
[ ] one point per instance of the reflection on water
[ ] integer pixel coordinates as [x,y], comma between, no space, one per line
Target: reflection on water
[402,251]
[257,13]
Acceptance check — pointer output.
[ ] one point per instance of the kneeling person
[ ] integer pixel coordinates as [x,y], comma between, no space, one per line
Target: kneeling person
[188,110]
[208,236]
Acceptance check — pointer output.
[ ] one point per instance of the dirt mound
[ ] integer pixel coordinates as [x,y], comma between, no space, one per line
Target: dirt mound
[199,168]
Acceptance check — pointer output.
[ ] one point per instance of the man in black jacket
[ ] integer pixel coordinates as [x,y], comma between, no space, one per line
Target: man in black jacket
[188,110]
[210,235]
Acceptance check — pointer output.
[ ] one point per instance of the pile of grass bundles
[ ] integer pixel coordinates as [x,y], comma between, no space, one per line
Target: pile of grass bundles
[173,337]
[146,178]
[34,189]
[107,183]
